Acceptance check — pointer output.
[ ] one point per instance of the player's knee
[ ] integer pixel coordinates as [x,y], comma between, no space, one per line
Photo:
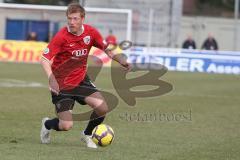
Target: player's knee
[65,126]
[103,110]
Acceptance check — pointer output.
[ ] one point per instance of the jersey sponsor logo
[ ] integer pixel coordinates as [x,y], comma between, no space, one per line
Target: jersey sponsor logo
[79,53]
[86,40]
[46,51]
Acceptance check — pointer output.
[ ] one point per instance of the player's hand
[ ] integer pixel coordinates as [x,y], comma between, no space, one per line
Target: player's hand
[122,59]
[127,66]
[53,85]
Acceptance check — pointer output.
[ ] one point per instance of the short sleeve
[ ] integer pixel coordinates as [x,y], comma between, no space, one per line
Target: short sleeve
[53,47]
[99,42]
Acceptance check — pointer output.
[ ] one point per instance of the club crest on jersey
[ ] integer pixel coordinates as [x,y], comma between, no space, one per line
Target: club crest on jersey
[86,40]
[46,51]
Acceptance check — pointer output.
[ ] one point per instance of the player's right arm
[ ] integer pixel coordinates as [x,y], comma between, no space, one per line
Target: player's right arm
[53,85]
[53,48]
[46,64]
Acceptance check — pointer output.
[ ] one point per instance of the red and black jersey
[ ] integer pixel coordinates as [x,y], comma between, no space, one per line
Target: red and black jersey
[69,53]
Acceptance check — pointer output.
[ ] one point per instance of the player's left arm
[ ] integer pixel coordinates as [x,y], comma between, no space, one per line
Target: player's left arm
[100,43]
[120,58]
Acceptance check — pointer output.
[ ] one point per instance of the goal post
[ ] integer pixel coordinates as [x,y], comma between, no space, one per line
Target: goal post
[128,12]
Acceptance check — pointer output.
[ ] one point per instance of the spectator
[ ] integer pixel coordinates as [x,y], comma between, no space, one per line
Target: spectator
[189,43]
[111,39]
[210,43]
[32,36]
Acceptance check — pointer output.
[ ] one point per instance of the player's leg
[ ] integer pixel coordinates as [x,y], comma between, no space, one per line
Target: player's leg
[87,93]
[97,102]
[63,121]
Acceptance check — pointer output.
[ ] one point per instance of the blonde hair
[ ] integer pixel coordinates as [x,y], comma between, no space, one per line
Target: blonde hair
[75,8]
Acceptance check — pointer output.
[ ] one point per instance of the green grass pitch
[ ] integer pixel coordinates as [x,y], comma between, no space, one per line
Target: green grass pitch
[198,120]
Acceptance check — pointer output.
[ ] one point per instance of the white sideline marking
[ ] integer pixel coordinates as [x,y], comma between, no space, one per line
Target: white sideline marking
[5,82]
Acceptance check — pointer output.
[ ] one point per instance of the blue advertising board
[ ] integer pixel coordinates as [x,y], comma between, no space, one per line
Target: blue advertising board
[222,62]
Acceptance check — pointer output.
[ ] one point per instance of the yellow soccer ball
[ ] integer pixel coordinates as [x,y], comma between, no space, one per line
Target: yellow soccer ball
[103,135]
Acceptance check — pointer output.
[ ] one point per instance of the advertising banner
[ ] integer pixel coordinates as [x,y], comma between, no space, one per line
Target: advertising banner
[187,60]
[21,51]
[223,62]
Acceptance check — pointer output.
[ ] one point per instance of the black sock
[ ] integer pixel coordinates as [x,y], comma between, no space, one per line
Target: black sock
[52,124]
[94,121]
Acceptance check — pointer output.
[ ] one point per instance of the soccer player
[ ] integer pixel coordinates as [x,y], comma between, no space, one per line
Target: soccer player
[65,63]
